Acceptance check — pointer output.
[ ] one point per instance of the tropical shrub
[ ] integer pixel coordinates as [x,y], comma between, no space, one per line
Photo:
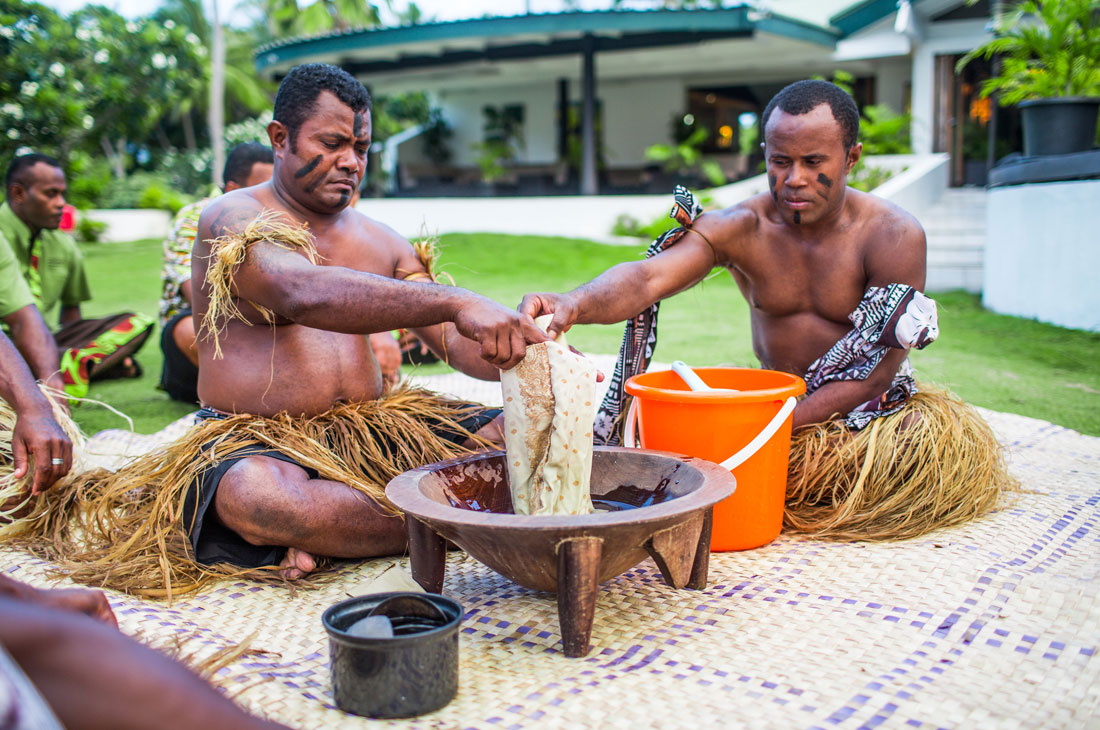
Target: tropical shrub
[1048,48]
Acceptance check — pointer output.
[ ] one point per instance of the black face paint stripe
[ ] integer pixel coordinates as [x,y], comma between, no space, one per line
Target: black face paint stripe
[309,167]
[824,180]
[358,127]
[797,218]
[344,197]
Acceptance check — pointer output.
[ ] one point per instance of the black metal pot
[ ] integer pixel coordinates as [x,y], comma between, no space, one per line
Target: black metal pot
[1059,125]
[413,672]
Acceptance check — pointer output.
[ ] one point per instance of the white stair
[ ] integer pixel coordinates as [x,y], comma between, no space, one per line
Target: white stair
[955,228]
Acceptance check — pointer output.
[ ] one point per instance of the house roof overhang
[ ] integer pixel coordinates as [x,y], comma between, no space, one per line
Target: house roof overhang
[628,42]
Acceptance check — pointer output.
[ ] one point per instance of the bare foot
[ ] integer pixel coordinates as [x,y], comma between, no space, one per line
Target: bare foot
[296,564]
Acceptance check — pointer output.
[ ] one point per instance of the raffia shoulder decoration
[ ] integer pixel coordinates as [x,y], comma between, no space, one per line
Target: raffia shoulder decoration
[427,250]
[228,252]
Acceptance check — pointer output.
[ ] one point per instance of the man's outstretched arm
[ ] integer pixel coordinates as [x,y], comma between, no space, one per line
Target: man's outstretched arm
[340,299]
[626,289]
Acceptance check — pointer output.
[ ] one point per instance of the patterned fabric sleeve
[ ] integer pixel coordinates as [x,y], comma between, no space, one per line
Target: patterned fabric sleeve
[895,316]
[640,335]
[177,259]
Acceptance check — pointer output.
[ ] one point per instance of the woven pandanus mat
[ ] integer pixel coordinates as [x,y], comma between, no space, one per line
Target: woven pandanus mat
[991,625]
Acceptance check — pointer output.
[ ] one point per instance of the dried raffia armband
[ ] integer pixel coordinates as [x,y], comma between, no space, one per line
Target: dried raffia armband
[427,250]
[228,252]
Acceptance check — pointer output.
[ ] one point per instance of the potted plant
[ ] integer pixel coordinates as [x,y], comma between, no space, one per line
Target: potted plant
[1048,51]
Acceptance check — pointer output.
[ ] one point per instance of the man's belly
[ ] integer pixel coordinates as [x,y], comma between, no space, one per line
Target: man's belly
[792,343]
[296,369]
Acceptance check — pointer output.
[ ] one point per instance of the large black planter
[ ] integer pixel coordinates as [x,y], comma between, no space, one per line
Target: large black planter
[1059,125]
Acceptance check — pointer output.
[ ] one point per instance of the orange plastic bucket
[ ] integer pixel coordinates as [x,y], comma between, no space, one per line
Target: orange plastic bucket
[718,425]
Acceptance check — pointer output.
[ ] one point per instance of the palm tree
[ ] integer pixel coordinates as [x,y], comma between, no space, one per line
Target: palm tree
[287,19]
[217,97]
[244,90]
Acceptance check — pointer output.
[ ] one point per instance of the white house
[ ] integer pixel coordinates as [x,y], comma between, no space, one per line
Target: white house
[586,92]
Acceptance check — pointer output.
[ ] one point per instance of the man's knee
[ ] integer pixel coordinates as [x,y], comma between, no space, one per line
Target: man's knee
[263,500]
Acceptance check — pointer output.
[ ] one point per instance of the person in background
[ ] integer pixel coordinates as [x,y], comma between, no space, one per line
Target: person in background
[36,258]
[246,165]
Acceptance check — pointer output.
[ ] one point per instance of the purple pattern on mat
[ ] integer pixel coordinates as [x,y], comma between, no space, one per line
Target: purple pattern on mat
[888,696]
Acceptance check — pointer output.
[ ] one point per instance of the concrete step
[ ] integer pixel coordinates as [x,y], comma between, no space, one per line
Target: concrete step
[955,229]
[956,257]
[953,242]
[938,280]
[942,227]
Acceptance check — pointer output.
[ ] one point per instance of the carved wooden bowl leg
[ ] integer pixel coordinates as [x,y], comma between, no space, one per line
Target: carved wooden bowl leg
[578,583]
[700,567]
[427,555]
[674,550]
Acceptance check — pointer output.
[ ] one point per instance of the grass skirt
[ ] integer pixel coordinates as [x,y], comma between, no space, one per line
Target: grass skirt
[935,463]
[126,530]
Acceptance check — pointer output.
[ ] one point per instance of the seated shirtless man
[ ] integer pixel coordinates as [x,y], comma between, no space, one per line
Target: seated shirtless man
[832,277]
[317,356]
[298,435]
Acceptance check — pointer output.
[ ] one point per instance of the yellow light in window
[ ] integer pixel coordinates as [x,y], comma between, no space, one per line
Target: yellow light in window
[725,130]
[980,109]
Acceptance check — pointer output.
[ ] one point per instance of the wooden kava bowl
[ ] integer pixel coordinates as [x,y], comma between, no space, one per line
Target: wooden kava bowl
[657,505]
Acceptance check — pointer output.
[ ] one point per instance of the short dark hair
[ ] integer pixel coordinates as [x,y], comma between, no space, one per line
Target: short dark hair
[299,90]
[803,96]
[239,161]
[17,170]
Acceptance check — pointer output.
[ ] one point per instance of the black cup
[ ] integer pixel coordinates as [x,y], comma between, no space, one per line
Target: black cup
[413,672]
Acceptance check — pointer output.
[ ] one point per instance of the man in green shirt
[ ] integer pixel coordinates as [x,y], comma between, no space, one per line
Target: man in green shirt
[48,265]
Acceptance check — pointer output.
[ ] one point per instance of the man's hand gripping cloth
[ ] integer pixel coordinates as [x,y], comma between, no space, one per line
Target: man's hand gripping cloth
[900,465]
[640,335]
[549,402]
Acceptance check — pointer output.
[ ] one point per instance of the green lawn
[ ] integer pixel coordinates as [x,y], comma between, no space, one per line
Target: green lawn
[1003,363]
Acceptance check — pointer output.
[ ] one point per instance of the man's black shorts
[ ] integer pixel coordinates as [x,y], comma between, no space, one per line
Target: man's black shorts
[179,376]
[213,542]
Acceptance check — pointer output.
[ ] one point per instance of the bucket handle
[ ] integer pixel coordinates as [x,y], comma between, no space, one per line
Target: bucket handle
[630,439]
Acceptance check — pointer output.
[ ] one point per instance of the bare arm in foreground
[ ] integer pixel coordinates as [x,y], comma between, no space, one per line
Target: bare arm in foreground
[95,678]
